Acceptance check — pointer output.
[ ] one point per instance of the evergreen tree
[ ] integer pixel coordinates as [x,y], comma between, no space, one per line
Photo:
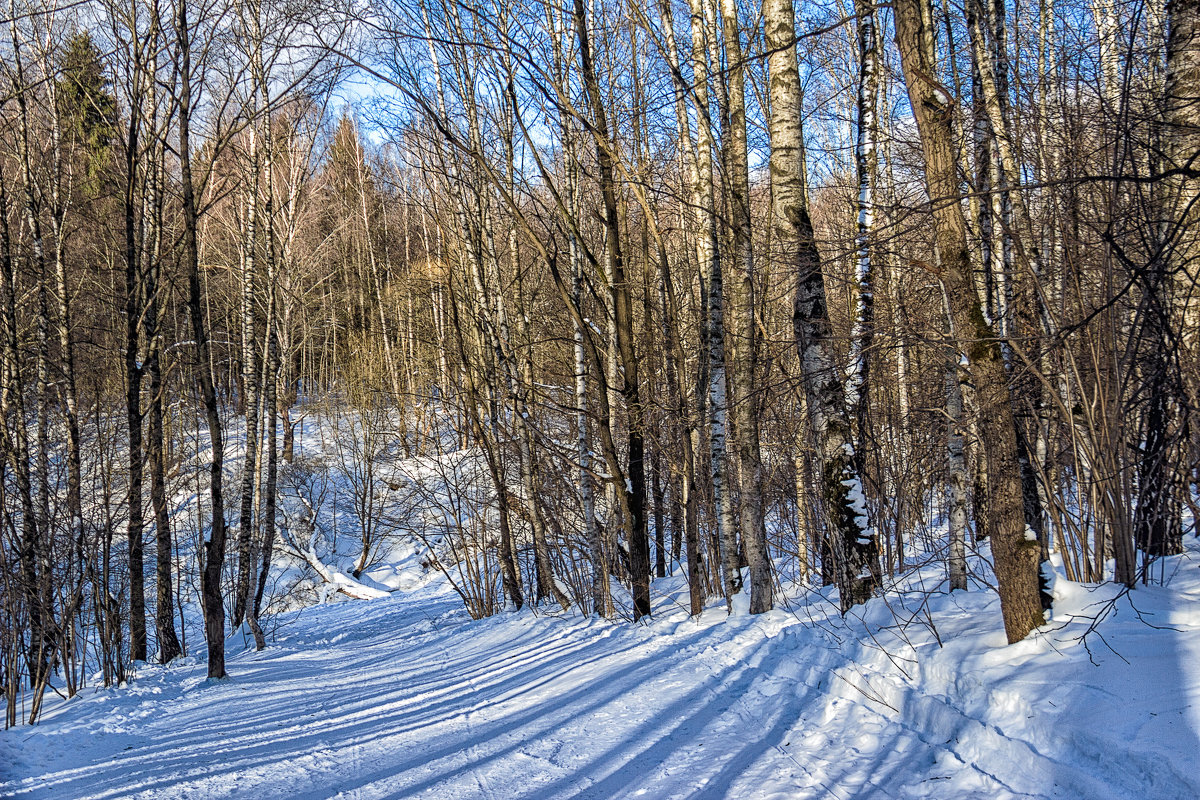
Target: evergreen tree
[85,100]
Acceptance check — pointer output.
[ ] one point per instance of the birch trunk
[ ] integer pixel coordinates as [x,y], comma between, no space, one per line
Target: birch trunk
[249,398]
[601,594]
[701,191]
[713,333]
[855,549]
[956,493]
[744,355]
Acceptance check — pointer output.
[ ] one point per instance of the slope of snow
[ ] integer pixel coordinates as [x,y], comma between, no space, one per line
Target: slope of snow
[407,697]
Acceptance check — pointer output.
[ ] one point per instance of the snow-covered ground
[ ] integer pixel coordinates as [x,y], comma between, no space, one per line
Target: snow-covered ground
[408,697]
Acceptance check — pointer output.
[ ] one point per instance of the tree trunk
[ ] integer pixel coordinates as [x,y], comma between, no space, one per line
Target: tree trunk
[713,311]
[250,381]
[635,489]
[164,616]
[211,594]
[1182,145]
[699,168]
[1016,557]
[164,612]
[855,549]
[16,441]
[744,355]
[956,467]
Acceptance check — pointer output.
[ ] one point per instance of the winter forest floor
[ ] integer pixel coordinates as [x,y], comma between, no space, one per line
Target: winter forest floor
[408,697]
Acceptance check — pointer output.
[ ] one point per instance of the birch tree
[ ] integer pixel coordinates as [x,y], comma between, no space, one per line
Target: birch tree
[853,542]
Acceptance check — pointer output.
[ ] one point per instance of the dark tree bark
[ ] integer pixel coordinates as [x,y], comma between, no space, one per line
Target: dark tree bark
[1016,557]
[639,542]
[211,594]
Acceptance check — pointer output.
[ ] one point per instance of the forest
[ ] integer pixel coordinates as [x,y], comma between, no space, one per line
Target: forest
[579,297]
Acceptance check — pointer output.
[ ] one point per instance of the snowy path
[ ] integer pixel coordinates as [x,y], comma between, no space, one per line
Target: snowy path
[406,697]
[391,707]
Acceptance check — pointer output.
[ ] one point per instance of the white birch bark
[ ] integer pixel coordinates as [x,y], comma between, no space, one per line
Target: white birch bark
[711,271]
[853,543]
[744,353]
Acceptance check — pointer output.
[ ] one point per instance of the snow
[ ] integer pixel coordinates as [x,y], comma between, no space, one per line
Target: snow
[406,696]
[399,694]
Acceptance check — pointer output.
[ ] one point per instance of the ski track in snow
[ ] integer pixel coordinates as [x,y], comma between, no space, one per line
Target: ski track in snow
[408,698]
